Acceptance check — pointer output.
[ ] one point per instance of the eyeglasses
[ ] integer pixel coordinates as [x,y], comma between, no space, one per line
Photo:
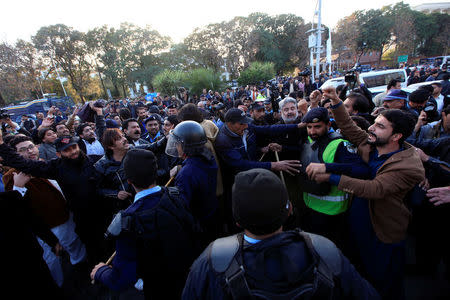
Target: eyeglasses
[24,149]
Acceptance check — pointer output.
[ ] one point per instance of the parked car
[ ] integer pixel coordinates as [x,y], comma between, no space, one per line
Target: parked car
[375,81]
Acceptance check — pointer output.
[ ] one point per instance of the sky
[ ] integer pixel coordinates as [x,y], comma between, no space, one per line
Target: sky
[21,19]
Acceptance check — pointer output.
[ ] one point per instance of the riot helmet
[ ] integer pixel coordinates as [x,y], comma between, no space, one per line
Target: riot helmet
[188,138]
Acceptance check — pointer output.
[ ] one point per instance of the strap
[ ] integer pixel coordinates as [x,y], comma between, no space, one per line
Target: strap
[223,259]
[328,263]
[223,251]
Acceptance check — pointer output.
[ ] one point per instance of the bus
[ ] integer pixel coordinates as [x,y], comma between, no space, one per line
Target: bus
[39,105]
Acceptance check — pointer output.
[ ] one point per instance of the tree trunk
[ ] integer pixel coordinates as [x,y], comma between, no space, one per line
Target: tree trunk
[2,101]
[101,80]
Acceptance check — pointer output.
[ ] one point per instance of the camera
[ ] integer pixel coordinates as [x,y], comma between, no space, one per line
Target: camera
[350,76]
[431,111]
[305,73]
[100,103]
[4,114]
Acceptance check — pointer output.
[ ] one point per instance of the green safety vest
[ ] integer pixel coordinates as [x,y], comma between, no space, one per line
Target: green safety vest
[336,201]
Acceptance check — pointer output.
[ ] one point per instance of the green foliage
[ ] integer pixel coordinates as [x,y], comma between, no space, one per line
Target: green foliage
[256,72]
[168,81]
[199,79]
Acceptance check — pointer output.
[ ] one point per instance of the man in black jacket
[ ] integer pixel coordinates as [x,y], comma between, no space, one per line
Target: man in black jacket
[265,259]
[78,179]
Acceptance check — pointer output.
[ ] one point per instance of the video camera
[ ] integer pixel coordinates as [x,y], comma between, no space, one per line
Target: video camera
[350,76]
[305,73]
[4,114]
[431,111]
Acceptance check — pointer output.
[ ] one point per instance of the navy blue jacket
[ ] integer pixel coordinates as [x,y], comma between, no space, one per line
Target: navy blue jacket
[122,274]
[197,181]
[233,154]
[283,271]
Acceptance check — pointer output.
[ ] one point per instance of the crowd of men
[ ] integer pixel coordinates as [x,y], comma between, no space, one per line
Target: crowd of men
[279,189]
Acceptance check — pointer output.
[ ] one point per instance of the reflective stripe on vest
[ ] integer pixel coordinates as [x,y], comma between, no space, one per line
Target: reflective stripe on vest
[336,201]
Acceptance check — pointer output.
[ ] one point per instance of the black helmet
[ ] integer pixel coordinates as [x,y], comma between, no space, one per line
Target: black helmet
[190,135]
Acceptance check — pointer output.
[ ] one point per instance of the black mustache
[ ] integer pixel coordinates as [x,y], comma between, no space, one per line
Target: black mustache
[137,132]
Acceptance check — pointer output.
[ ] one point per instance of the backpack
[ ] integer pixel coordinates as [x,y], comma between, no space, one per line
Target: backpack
[225,258]
[167,240]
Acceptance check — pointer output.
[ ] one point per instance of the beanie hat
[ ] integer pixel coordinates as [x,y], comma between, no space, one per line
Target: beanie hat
[259,201]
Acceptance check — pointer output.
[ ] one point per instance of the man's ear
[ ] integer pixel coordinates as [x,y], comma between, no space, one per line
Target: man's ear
[58,154]
[396,137]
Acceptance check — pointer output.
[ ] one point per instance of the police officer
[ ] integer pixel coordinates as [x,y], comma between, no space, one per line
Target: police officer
[197,178]
[324,203]
[266,262]
[155,244]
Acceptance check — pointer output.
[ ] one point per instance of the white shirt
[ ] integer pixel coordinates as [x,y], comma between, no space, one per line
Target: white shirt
[94,149]
[440,102]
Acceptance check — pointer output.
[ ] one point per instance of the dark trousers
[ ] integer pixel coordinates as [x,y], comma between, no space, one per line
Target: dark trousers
[328,226]
[380,263]
[432,224]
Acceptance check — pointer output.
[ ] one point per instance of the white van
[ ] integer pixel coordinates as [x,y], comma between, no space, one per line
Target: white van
[375,81]
[439,61]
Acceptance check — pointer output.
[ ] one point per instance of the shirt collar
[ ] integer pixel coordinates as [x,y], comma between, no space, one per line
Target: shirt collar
[251,240]
[387,155]
[147,192]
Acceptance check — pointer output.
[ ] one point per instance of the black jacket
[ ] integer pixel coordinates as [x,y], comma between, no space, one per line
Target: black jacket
[286,264]
[79,185]
[22,252]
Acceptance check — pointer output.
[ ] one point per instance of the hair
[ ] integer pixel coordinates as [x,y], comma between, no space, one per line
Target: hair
[293,94]
[173,120]
[392,83]
[190,112]
[438,84]
[446,77]
[361,103]
[19,139]
[361,122]
[141,108]
[286,101]
[300,94]
[237,103]
[7,138]
[128,121]
[124,113]
[113,115]
[140,177]
[81,127]
[401,122]
[109,137]
[420,95]
[42,132]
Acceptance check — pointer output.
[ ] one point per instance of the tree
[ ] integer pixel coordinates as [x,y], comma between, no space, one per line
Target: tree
[128,54]
[67,49]
[257,72]
[345,37]
[168,82]
[375,28]
[20,72]
[199,79]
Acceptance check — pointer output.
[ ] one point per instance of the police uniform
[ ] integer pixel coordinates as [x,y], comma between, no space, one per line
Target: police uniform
[324,202]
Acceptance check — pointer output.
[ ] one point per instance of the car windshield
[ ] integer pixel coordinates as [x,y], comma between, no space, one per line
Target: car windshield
[383,79]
